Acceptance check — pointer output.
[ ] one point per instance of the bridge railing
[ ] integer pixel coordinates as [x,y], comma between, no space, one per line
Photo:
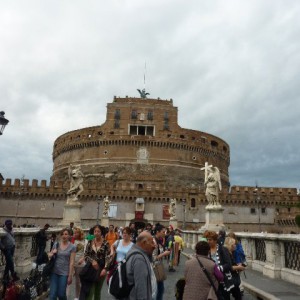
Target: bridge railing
[26,248]
[275,255]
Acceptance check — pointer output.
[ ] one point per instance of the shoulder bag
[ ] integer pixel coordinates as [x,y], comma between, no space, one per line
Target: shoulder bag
[47,270]
[89,273]
[158,268]
[218,293]
[159,271]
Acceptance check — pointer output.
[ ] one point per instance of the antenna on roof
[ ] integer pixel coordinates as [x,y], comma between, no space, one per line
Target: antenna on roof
[145,76]
[143,92]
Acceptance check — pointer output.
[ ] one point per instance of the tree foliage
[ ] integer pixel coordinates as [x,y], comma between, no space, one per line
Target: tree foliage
[297,220]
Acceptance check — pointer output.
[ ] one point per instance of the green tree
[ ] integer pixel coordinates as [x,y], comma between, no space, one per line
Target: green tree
[297,220]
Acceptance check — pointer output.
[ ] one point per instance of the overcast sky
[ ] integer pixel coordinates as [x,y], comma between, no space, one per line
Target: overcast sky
[231,67]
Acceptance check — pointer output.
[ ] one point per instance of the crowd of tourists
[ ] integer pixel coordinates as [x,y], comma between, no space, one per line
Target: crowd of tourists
[92,261]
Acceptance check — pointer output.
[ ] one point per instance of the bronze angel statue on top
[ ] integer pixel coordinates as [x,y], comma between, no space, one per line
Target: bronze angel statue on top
[143,93]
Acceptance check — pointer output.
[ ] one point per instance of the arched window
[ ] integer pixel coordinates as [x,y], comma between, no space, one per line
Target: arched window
[214,144]
[193,203]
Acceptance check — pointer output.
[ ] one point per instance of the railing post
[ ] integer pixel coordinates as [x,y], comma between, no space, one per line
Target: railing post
[22,257]
[189,240]
[194,239]
[272,267]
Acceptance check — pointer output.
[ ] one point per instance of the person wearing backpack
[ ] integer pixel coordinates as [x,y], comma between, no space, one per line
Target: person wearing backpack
[139,271]
[119,250]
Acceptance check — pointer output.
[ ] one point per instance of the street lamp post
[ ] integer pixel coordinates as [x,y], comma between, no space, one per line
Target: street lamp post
[183,205]
[258,202]
[98,209]
[3,122]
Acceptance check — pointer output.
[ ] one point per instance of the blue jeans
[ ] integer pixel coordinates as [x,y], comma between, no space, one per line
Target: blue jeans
[160,290]
[58,287]
[9,258]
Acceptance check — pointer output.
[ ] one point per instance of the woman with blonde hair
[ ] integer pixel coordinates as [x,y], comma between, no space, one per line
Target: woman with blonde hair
[239,254]
[221,257]
[230,245]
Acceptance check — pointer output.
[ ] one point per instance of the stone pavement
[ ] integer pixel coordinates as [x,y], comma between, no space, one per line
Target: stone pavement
[256,285]
[169,284]
[277,288]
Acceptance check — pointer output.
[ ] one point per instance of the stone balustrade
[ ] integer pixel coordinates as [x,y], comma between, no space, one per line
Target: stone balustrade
[275,255]
[26,248]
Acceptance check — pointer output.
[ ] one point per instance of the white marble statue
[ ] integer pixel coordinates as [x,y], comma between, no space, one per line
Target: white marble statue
[213,185]
[106,203]
[172,209]
[76,180]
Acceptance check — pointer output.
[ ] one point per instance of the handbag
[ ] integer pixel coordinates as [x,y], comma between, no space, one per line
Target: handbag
[159,272]
[113,259]
[217,292]
[89,273]
[48,268]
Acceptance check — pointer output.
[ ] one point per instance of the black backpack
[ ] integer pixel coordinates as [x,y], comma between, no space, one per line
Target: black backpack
[118,285]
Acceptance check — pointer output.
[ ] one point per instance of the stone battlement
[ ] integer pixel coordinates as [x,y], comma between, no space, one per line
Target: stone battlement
[263,190]
[150,101]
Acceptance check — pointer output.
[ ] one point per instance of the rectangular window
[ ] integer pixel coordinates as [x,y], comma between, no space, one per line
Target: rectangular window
[166,124]
[133,130]
[263,210]
[252,210]
[117,123]
[150,115]
[112,213]
[134,114]
[166,116]
[141,130]
[117,114]
[150,130]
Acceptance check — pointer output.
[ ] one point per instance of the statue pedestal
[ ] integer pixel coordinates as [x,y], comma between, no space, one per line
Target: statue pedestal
[173,223]
[72,213]
[213,219]
[105,221]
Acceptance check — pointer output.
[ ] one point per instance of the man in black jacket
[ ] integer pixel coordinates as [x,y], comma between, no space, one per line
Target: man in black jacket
[7,245]
[41,239]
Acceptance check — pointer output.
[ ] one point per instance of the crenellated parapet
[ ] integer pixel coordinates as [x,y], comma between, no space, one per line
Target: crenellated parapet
[25,188]
[266,196]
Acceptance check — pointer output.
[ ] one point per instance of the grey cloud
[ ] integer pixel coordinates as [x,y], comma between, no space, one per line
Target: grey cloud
[231,67]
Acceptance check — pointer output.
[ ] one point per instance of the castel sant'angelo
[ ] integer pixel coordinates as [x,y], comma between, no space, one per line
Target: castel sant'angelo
[140,158]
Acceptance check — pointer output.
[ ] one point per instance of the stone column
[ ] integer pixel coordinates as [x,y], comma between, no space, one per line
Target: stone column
[23,257]
[105,221]
[194,240]
[72,213]
[213,219]
[272,267]
[173,223]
